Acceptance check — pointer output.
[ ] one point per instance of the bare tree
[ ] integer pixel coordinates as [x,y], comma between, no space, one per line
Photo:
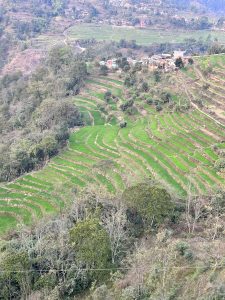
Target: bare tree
[194,209]
[114,222]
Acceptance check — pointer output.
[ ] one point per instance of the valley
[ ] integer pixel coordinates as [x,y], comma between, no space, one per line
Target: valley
[112,149]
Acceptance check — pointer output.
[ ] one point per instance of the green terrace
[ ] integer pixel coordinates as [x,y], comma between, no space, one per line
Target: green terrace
[176,149]
[206,83]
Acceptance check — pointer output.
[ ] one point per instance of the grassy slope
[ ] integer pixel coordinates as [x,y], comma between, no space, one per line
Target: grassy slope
[174,148]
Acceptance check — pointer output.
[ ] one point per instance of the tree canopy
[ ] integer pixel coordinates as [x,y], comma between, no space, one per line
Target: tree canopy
[153,203]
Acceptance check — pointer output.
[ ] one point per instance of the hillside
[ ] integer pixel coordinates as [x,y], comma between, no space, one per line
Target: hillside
[177,149]
[206,85]
[141,185]
[112,150]
[37,25]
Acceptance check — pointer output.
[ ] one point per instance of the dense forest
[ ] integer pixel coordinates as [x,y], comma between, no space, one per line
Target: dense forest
[36,112]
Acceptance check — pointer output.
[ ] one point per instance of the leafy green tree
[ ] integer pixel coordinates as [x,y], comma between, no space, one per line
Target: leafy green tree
[130,81]
[190,61]
[103,71]
[165,97]
[158,107]
[107,96]
[157,76]
[91,243]
[145,87]
[15,278]
[126,105]
[153,203]
[59,57]
[179,63]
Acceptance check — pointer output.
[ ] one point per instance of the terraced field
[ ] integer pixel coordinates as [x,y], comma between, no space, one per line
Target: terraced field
[174,148]
[207,84]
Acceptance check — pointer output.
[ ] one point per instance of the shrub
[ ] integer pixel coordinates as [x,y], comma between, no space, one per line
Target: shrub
[130,81]
[123,124]
[179,63]
[145,87]
[206,86]
[190,61]
[127,104]
[157,76]
[181,247]
[184,250]
[107,96]
[158,107]
[220,164]
[149,101]
[132,111]
[188,255]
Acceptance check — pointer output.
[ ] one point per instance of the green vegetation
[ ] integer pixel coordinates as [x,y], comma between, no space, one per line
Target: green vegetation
[91,243]
[152,203]
[206,87]
[93,250]
[112,181]
[171,147]
[141,36]
[35,116]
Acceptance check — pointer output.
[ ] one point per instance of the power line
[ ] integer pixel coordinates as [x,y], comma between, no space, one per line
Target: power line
[112,269]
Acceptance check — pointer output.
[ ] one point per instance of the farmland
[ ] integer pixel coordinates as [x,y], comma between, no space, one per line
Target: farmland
[142,36]
[206,84]
[176,149]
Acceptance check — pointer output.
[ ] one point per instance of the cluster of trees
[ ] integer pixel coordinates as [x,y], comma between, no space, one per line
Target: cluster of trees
[66,255]
[216,48]
[103,247]
[6,40]
[202,23]
[214,5]
[139,88]
[26,30]
[36,112]
[44,9]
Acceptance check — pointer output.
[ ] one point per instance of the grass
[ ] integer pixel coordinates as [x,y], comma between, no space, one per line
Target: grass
[7,221]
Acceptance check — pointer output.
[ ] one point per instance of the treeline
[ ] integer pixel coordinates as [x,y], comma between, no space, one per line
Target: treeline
[36,112]
[214,5]
[202,23]
[41,12]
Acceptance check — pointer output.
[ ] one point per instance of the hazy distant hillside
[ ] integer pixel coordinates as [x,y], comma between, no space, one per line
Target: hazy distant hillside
[216,5]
